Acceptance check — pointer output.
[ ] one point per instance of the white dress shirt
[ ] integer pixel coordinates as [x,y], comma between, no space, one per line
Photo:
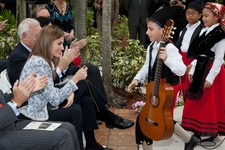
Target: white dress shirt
[173,61]
[219,51]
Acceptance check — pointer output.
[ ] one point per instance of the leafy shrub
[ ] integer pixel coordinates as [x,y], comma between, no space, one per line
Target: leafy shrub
[8,37]
[126,62]
[128,56]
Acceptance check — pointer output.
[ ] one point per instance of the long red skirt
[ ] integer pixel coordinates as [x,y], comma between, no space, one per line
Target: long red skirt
[206,116]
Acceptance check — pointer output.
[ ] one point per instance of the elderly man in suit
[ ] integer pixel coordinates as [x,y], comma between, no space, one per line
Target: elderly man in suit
[137,14]
[11,129]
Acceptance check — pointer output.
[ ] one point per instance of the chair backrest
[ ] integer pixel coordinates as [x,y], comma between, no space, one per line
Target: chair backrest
[5,85]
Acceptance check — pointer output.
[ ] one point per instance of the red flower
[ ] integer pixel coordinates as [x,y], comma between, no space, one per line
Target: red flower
[77,61]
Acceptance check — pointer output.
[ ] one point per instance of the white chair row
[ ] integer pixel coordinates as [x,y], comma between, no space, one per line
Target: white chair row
[5,85]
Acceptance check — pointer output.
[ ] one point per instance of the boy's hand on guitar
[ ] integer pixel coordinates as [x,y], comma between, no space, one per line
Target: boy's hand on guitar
[132,85]
[163,54]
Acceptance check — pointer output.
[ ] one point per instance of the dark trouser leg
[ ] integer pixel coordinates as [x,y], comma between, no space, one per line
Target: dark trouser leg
[86,88]
[72,114]
[88,113]
[133,30]
[3,65]
[142,34]
[140,137]
[95,78]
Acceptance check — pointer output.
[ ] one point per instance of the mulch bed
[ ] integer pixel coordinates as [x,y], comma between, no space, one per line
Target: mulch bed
[130,97]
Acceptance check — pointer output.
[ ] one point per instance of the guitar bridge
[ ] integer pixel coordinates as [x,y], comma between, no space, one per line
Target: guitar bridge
[151,122]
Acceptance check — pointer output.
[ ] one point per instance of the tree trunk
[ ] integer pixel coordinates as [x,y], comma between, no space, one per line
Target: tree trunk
[114,100]
[81,24]
[72,3]
[20,12]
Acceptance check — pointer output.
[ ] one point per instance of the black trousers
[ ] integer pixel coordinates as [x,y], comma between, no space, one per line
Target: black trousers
[3,65]
[72,114]
[86,88]
[94,76]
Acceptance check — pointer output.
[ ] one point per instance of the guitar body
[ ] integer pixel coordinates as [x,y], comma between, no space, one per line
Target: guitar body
[156,118]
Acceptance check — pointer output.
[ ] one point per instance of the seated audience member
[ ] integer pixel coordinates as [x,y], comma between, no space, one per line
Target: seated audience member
[11,129]
[44,56]
[28,31]
[93,71]
[40,11]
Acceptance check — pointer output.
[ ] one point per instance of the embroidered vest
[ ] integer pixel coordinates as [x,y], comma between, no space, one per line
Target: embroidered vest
[171,78]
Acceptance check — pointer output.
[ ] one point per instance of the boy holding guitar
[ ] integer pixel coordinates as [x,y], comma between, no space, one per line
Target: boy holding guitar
[165,63]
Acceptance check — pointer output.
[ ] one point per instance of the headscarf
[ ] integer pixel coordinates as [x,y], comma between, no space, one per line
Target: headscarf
[218,11]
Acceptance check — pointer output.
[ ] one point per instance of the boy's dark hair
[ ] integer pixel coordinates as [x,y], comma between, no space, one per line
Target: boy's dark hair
[196,5]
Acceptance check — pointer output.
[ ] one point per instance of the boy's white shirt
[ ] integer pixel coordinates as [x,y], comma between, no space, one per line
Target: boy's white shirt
[187,36]
[219,51]
[173,61]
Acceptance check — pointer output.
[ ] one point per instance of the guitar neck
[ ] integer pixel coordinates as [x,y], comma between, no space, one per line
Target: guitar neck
[158,71]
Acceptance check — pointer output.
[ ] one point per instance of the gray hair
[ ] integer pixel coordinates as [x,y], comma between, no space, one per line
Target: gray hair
[24,26]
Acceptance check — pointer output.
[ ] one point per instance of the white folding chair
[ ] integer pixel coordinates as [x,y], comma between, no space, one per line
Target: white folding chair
[5,85]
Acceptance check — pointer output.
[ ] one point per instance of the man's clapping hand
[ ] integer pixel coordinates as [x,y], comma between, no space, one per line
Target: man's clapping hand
[22,91]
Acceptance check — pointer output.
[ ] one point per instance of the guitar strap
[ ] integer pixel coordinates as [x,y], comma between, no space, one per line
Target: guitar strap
[150,71]
[150,75]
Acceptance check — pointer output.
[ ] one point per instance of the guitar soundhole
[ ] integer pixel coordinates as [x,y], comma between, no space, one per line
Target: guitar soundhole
[154,101]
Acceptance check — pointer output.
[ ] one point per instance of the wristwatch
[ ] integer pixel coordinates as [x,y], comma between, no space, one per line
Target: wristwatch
[15,104]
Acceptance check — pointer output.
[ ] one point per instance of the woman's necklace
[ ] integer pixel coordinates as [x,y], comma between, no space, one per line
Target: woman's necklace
[61,8]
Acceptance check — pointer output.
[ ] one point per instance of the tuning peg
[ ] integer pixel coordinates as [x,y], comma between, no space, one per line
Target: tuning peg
[171,37]
[173,32]
[174,28]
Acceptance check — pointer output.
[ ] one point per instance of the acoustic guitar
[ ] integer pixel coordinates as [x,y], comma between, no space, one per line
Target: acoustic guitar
[156,118]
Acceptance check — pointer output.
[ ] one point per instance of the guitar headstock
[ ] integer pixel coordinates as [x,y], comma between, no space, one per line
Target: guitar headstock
[168,30]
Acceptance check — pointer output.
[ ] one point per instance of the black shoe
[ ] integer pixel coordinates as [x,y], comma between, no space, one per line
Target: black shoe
[210,139]
[120,123]
[100,147]
[192,143]
[99,122]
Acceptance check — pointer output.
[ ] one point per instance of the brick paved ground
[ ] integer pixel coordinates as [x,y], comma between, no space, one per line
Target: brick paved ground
[125,140]
[115,138]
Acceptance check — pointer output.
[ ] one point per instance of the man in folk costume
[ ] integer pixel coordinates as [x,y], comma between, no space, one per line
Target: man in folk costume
[172,68]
